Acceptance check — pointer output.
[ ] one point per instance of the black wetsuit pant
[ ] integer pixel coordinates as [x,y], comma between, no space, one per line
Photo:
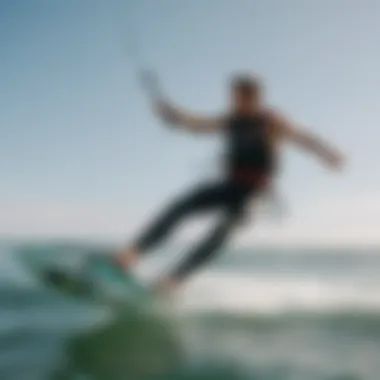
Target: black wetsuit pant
[228,197]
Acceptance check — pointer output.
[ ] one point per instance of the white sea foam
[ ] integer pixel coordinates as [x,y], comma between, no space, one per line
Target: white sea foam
[273,293]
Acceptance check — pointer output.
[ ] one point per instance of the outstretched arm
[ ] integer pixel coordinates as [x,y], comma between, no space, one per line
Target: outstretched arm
[188,121]
[172,114]
[308,141]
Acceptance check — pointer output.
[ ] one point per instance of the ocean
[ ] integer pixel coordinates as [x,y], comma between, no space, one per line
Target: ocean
[255,314]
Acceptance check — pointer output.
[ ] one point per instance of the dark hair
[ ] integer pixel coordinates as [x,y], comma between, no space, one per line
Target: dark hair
[246,83]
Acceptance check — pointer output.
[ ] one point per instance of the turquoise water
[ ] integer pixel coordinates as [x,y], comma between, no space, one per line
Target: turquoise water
[256,314]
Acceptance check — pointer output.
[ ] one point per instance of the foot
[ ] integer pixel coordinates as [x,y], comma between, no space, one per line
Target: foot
[167,286]
[128,258]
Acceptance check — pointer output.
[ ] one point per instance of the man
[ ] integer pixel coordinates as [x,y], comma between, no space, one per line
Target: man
[253,134]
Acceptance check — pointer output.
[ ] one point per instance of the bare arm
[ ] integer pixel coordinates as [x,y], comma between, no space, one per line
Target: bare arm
[188,121]
[172,114]
[306,140]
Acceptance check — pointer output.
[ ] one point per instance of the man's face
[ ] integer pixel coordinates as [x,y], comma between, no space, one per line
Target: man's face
[245,100]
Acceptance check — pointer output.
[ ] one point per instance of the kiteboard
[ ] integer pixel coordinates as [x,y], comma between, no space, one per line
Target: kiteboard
[98,276]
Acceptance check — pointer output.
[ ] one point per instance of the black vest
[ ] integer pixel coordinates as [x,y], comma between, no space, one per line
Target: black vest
[248,145]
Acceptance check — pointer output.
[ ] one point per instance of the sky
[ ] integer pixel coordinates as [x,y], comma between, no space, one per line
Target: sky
[81,153]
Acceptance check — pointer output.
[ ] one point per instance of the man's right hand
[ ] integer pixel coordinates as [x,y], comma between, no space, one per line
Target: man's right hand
[166,111]
[186,120]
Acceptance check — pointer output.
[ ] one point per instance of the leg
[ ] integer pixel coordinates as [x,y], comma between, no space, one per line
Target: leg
[170,218]
[198,200]
[234,202]
[207,249]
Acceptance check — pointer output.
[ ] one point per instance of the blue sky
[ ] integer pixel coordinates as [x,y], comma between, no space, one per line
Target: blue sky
[81,153]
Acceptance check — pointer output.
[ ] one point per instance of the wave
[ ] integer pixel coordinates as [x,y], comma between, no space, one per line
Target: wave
[266,294]
[253,290]
[228,324]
